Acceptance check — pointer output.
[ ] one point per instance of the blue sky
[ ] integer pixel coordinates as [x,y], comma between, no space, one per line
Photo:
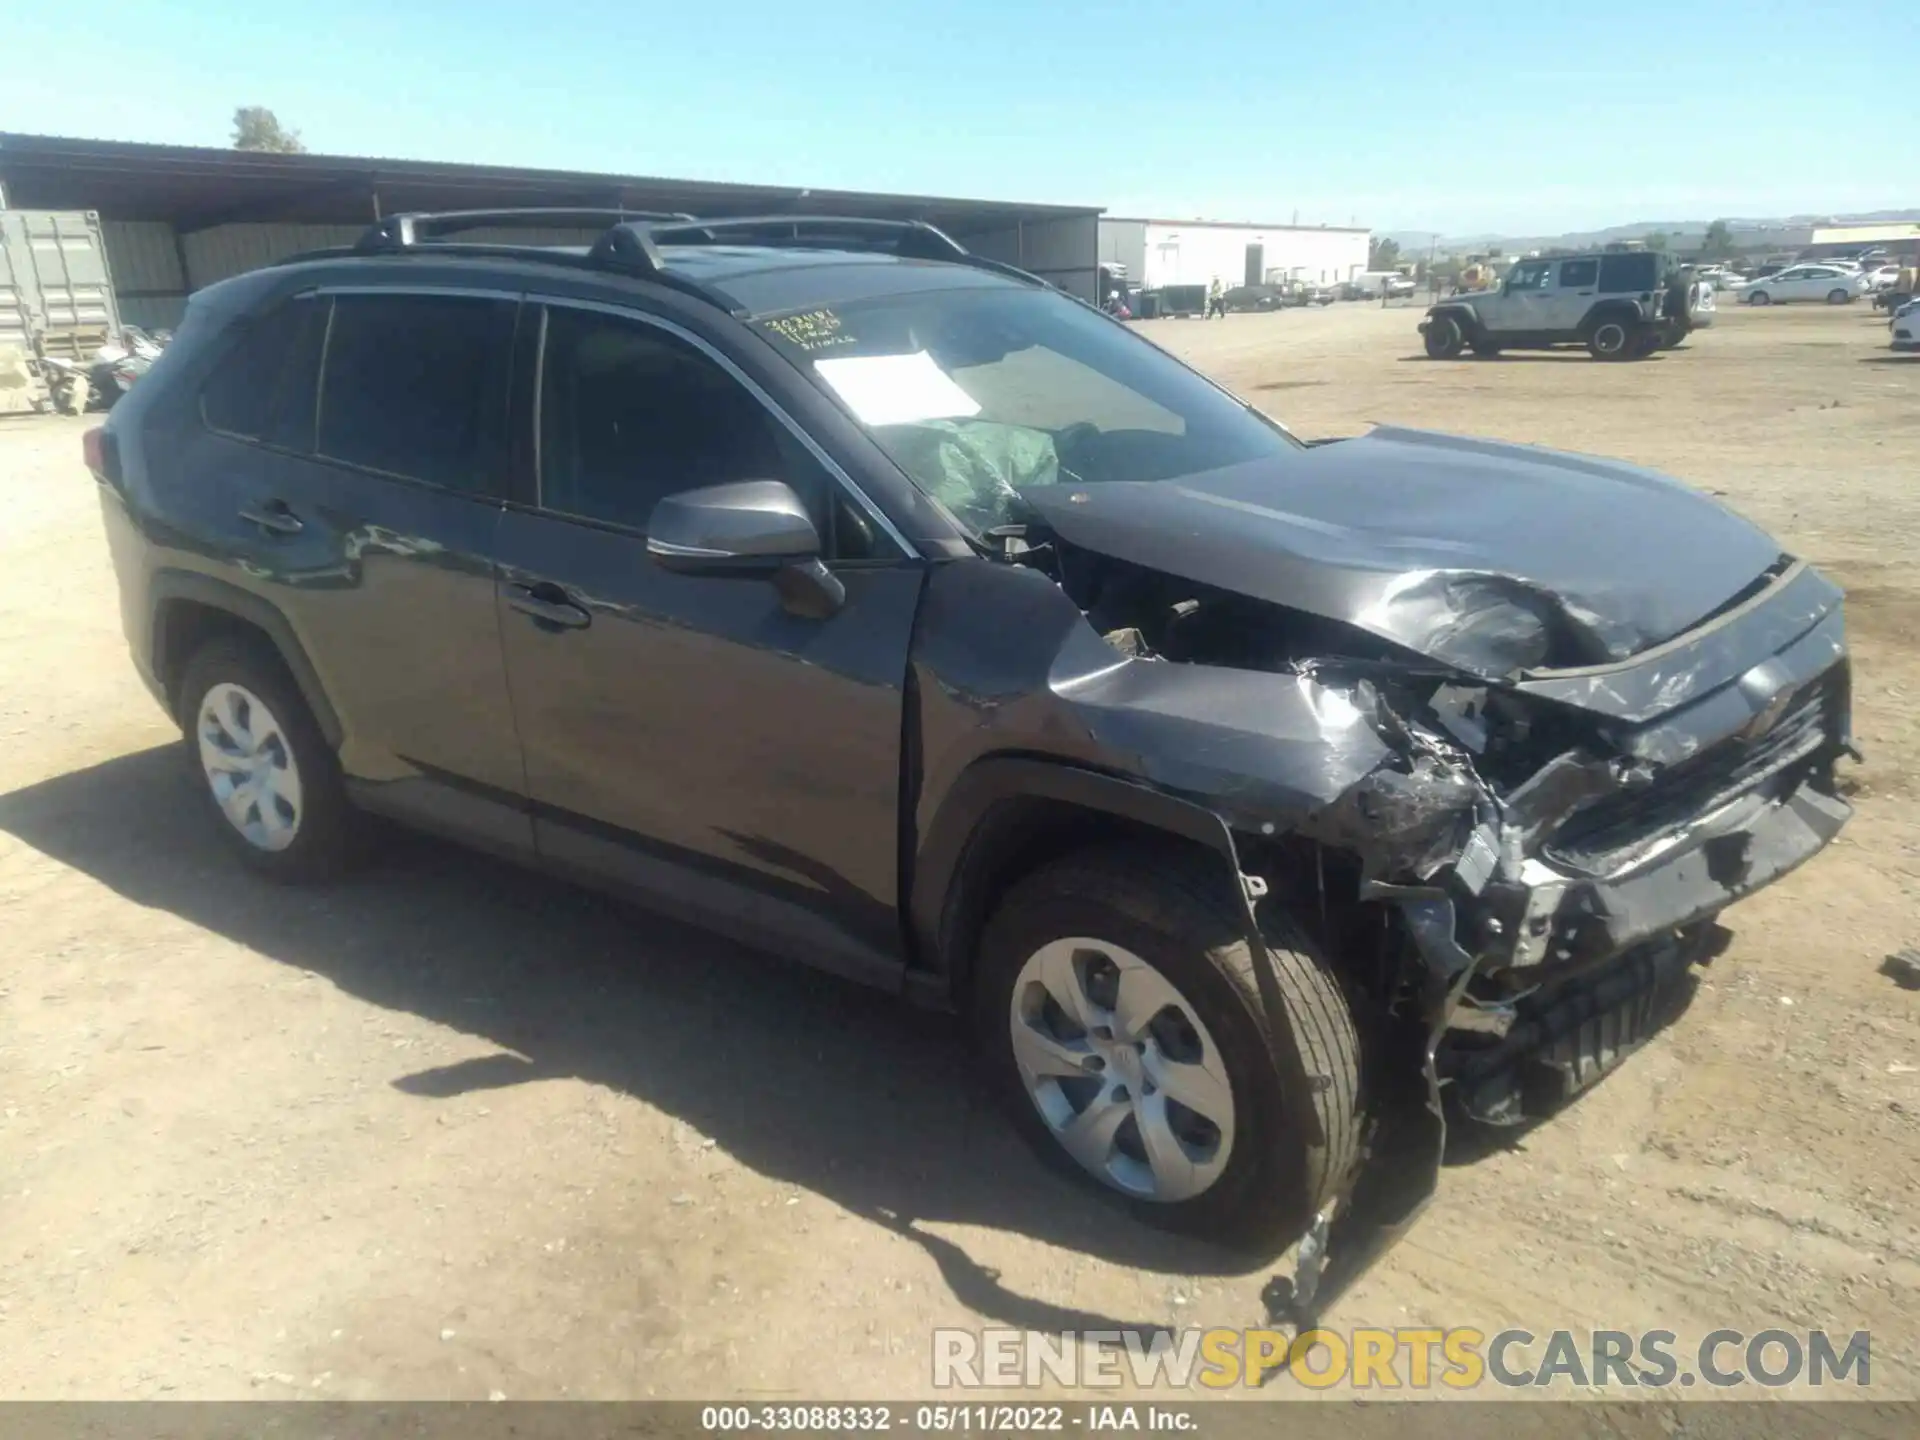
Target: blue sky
[1487,115]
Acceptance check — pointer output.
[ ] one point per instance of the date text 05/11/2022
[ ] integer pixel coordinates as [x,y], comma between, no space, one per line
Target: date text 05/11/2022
[936,1419]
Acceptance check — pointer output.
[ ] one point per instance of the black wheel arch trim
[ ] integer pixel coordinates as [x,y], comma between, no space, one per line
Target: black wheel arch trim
[243,605]
[1623,310]
[1462,315]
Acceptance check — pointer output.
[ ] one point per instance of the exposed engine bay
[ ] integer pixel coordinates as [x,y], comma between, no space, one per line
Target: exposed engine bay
[1547,872]
[1475,782]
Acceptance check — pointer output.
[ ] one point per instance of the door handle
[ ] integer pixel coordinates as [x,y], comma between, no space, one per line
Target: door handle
[548,605]
[274,517]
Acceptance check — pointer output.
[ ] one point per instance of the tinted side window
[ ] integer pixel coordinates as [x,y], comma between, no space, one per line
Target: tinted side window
[630,413]
[1579,274]
[416,386]
[1621,274]
[254,390]
[1533,275]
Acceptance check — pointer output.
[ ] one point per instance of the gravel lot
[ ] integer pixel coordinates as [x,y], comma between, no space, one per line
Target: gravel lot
[452,1130]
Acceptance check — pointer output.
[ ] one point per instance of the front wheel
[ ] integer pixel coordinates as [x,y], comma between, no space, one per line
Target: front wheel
[1839,297]
[1445,339]
[1121,1022]
[1759,297]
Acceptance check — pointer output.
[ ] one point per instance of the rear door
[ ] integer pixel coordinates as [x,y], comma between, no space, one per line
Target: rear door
[1577,285]
[362,501]
[687,736]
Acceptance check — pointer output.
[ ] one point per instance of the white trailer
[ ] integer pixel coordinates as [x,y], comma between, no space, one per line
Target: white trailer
[1161,253]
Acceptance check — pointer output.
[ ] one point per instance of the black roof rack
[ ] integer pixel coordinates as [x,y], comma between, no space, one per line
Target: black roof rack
[636,245]
[632,240]
[400,232]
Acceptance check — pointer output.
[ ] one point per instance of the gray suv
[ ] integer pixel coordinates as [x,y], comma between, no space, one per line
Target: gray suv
[822,583]
[1621,305]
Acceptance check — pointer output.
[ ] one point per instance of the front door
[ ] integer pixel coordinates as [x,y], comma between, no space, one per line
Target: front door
[1525,304]
[687,736]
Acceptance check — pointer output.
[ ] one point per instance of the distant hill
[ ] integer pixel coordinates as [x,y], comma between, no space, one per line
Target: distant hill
[1415,242]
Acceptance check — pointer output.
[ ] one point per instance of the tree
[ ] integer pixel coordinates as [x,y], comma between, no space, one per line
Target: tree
[257,128]
[1717,243]
[1655,240]
[1383,254]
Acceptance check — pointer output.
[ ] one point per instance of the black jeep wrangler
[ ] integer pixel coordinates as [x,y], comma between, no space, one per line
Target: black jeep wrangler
[833,587]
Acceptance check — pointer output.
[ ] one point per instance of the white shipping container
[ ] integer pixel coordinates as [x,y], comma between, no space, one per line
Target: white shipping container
[54,280]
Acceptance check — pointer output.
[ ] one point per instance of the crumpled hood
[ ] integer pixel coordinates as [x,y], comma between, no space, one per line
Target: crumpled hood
[1431,541]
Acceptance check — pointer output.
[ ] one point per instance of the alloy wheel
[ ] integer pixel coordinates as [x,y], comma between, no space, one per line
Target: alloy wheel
[1122,1070]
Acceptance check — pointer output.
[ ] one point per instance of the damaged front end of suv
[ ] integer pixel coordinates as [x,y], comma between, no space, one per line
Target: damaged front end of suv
[1506,777]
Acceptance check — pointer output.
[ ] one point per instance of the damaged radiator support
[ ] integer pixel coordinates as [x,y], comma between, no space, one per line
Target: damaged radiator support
[1536,974]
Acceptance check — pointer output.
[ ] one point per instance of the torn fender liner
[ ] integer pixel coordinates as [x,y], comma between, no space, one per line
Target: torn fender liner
[1402,1169]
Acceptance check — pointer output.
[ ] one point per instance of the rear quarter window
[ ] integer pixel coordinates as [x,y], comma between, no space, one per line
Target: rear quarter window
[1625,274]
[262,388]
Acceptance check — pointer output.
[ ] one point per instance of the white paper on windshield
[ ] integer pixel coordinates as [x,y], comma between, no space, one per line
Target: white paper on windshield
[896,389]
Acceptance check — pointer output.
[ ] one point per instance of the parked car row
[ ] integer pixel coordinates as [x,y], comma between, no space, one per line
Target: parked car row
[1835,280]
[1905,327]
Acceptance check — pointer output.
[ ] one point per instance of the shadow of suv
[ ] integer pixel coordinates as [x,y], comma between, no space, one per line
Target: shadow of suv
[821,583]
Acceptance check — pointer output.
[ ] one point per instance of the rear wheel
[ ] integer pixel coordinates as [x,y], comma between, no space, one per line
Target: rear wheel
[1839,297]
[1121,1022]
[1611,338]
[263,766]
[1445,339]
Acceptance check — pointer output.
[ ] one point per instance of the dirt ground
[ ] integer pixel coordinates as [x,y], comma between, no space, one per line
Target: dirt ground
[451,1130]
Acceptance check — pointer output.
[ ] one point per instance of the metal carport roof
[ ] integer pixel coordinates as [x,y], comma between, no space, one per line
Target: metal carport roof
[195,188]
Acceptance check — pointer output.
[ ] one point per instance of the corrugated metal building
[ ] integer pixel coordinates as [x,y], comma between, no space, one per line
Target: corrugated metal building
[1196,252]
[178,218]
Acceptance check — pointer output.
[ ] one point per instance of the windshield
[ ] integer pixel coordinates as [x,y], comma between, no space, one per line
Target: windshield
[977,394]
